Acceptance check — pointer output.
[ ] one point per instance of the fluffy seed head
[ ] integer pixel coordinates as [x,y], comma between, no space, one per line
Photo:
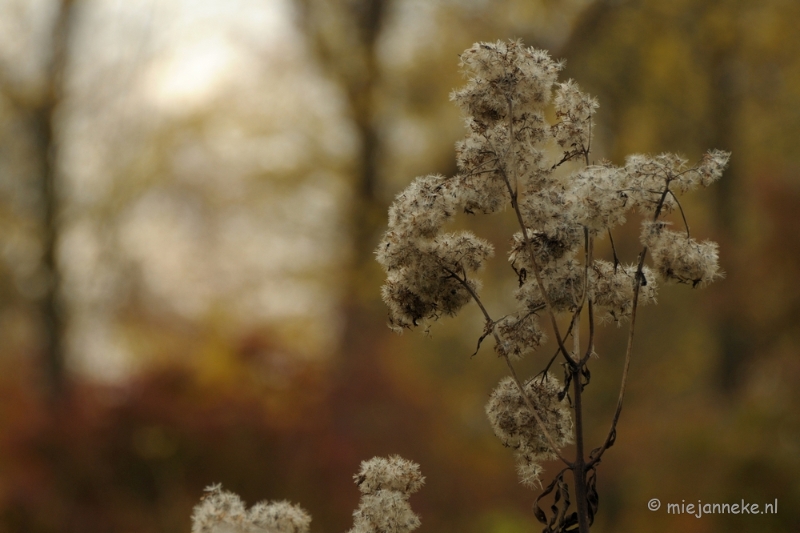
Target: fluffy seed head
[680,258]
[499,72]
[385,511]
[519,334]
[385,485]
[514,424]
[393,473]
[612,289]
[574,112]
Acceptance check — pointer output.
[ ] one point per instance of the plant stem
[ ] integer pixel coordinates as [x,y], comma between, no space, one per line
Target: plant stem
[612,432]
[511,369]
[513,192]
[579,466]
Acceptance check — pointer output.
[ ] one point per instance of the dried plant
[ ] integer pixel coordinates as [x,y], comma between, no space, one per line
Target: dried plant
[514,155]
[527,146]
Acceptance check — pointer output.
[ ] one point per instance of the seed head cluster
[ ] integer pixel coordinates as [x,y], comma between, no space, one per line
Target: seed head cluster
[514,156]
[680,258]
[427,269]
[613,287]
[517,428]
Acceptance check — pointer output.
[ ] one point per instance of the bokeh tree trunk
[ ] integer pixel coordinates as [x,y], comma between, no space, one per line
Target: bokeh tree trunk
[733,335]
[344,35]
[43,117]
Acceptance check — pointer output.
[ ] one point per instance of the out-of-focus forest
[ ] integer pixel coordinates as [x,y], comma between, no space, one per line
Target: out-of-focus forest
[190,193]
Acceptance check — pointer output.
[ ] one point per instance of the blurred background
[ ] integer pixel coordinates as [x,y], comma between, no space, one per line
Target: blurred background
[190,193]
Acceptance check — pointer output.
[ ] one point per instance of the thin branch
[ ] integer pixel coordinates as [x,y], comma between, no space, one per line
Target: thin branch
[536,416]
[543,373]
[660,205]
[590,345]
[568,156]
[472,293]
[613,430]
[614,251]
[683,215]
[589,142]
[536,271]
[520,387]
[597,454]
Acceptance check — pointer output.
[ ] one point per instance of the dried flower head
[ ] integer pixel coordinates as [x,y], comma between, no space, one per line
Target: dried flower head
[602,199]
[394,473]
[385,485]
[386,511]
[529,468]
[431,281]
[516,427]
[574,112]
[564,283]
[679,258]
[518,334]
[612,288]
[279,517]
[423,208]
[514,424]
[502,72]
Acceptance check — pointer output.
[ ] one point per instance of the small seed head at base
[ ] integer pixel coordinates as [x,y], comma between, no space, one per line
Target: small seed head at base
[224,512]
[386,484]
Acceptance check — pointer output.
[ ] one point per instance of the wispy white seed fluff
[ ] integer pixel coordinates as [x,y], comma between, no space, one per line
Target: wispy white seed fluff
[429,280]
[612,289]
[552,216]
[518,334]
[601,198]
[706,172]
[279,517]
[712,166]
[679,258]
[648,177]
[574,112]
[513,422]
[528,468]
[393,473]
[424,207]
[499,72]
[564,283]
[516,427]
[386,511]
